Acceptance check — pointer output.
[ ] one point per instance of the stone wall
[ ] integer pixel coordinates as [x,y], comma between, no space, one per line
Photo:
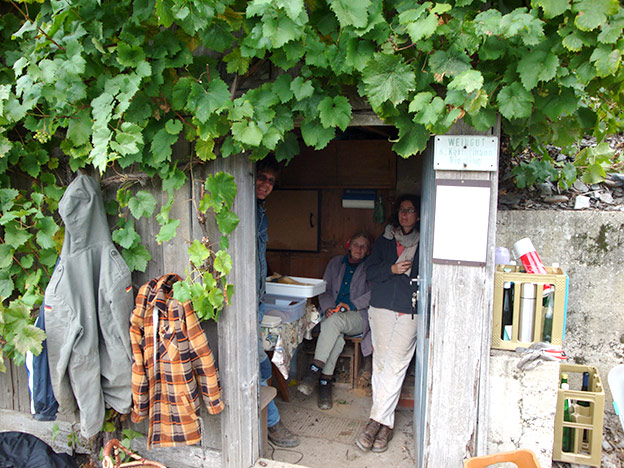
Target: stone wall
[589,247]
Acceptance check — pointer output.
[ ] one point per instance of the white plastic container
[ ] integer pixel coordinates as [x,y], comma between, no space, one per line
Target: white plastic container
[311,287]
[288,309]
[616,384]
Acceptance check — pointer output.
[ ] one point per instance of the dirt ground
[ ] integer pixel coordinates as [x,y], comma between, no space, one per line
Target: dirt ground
[328,437]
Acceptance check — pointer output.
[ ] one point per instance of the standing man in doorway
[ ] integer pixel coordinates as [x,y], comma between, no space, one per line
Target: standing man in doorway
[266,176]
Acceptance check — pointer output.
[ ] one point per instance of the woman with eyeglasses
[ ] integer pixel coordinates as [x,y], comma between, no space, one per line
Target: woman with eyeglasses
[391,266]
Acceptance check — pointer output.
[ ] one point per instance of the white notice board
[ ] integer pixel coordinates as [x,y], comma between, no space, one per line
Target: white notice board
[461,222]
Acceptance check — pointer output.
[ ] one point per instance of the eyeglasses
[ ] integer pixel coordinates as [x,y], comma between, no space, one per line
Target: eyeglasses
[264,178]
[407,210]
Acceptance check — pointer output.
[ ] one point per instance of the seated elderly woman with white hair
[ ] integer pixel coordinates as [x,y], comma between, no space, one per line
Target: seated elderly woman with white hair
[345,305]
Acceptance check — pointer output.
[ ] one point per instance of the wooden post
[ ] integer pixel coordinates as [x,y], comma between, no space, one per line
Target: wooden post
[238,332]
[458,345]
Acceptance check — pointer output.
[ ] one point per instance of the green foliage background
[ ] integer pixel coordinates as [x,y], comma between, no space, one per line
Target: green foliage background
[112,85]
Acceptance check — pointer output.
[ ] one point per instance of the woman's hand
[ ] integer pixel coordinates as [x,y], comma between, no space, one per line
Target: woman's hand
[401,267]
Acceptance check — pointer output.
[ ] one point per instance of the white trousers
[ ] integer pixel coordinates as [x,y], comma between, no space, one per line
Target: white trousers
[394,342]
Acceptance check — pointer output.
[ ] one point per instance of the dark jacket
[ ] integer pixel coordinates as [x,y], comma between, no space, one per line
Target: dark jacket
[390,291]
[18,450]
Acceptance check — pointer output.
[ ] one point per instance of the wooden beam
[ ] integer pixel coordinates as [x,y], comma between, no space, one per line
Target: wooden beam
[458,345]
[238,328]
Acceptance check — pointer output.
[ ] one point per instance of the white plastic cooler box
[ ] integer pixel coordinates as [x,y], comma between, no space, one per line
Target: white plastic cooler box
[288,301]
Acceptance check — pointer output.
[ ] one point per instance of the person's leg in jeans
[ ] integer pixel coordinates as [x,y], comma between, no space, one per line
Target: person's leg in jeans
[278,434]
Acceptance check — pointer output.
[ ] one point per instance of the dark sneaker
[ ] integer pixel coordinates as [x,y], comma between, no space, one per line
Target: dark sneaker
[381,439]
[282,437]
[325,394]
[367,437]
[309,380]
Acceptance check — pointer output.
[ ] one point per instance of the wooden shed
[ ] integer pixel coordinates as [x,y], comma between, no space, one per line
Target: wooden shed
[455,289]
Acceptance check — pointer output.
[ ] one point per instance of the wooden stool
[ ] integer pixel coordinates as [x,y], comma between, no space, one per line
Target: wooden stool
[355,361]
[352,353]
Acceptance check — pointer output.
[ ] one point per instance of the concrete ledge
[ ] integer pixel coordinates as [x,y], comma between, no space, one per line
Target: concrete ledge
[522,406]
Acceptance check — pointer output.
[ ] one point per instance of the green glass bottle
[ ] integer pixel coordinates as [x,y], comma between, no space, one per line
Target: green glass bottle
[547,308]
[568,432]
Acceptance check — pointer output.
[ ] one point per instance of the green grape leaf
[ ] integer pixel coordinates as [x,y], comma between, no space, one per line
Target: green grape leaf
[431,113]
[215,99]
[420,22]
[79,128]
[351,13]
[174,180]
[222,188]
[130,56]
[606,60]
[335,112]
[128,139]
[315,135]
[594,174]
[223,262]
[468,80]
[6,284]
[281,87]
[182,291]
[288,148]
[126,237]
[29,338]
[204,149]
[6,256]
[227,221]
[46,228]
[552,8]
[173,126]
[592,14]
[15,236]
[136,257]
[181,92]
[167,231]
[412,138]
[161,146]
[514,101]
[388,78]
[247,132]
[301,88]
[537,65]
[198,253]
[142,204]
[7,198]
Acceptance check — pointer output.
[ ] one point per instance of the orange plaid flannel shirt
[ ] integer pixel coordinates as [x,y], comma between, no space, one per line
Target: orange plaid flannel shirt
[170,372]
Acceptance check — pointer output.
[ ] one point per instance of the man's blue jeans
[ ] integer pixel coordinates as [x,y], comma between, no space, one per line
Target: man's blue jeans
[273,416]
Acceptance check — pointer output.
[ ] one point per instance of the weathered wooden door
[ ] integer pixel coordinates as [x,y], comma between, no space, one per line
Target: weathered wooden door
[424,301]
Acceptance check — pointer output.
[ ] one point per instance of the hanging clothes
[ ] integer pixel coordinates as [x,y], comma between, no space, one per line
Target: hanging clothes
[43,405]
[88,303]
[173,365]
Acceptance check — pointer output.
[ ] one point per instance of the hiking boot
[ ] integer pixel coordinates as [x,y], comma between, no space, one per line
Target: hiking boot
[309,380]
[325,394]
[367,437]
[282,437]
[381,439]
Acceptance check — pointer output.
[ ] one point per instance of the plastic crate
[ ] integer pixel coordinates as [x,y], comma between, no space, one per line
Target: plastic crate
[287,308]
[586,421]
[517,277]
